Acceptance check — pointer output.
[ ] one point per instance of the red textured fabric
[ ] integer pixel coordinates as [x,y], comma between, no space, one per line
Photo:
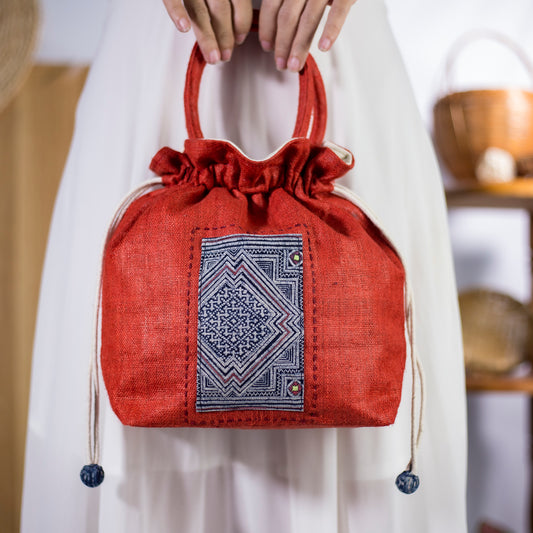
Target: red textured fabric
[353,281]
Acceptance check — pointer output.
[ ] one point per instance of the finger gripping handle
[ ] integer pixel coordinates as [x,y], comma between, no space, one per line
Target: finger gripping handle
[312,106]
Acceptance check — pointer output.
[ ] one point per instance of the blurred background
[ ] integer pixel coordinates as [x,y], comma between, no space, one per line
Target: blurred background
[54,47]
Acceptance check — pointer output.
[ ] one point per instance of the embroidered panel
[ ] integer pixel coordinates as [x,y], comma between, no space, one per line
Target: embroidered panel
[250,323]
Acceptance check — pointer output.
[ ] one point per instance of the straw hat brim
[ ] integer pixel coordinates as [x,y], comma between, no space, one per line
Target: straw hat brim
[19,23]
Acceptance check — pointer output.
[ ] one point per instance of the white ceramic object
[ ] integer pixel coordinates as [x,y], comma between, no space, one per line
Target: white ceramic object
[495,165]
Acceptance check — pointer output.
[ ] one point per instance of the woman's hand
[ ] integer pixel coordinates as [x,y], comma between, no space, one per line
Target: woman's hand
[217,24]
[288,27]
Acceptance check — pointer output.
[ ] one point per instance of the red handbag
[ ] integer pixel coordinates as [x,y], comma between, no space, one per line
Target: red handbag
[245,293]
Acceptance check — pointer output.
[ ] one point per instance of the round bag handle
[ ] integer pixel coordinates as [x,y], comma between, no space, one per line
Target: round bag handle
[478,35]
[312,106]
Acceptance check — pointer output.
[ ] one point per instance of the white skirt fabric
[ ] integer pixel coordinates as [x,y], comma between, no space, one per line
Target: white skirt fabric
[233,481]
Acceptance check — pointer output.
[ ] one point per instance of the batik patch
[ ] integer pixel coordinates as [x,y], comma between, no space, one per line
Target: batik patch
[250,323]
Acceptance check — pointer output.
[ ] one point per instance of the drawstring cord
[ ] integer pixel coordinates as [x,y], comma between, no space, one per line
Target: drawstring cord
[92,474]
[408,481]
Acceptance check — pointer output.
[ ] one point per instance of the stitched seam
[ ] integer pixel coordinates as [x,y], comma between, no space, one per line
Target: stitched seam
[314,397]
[187,326]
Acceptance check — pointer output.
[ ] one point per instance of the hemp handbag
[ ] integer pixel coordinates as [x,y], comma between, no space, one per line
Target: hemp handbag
[245,293]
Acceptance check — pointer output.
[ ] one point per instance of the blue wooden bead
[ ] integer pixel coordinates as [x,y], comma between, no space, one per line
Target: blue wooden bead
[92,475]
[407,482]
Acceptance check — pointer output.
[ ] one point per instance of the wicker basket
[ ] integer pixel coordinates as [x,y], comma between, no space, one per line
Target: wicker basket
[497,331]
[467,123]
[19,23]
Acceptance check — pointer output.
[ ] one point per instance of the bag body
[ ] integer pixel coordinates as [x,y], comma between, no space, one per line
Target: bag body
[245,293]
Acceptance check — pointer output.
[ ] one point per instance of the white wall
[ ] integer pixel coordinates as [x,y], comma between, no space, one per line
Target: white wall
[490,247]
[70,30]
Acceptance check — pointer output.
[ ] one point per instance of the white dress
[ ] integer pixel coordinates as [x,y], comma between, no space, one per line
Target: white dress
[233,481]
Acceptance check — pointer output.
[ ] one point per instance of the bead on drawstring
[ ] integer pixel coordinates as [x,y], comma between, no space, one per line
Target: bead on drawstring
[92,475]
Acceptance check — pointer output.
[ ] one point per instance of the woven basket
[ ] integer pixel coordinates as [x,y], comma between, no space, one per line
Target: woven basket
[19,23]
[467,123]
[497,331]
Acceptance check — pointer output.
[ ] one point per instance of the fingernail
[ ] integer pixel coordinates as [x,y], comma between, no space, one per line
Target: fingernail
[183,25]
[213,57]
[267,46]
[226,54]
[239,39]
[324,44]
[294,64]
[280,63]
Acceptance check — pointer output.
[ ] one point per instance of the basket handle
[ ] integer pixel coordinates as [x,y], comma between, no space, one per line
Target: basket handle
[477,35]
[312,106]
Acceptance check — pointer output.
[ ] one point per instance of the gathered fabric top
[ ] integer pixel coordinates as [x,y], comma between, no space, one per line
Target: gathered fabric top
[298,165]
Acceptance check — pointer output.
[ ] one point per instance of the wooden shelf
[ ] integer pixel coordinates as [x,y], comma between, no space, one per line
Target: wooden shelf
[489,383]
[517,194]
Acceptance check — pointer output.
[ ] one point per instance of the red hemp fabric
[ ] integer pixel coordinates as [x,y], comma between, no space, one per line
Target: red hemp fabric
[353,281]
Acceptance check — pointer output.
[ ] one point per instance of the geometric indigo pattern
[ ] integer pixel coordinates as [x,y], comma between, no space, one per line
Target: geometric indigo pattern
[250,323]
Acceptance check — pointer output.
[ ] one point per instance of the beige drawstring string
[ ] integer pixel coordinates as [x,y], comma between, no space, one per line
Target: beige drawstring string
[408,480]
[92,474]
